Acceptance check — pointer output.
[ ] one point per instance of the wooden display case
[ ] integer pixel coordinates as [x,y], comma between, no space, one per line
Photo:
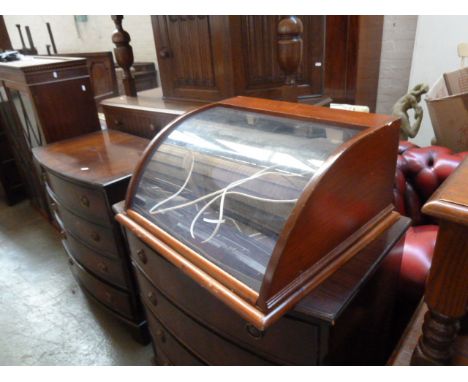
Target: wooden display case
[261,201]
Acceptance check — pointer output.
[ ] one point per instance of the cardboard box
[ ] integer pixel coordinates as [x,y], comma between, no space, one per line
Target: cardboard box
[447,102]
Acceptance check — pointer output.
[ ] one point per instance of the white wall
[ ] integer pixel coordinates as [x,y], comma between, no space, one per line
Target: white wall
[395,60]
[90,36]
[435,52]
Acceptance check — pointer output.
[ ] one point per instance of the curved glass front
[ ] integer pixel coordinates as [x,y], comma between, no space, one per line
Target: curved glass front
[225,181]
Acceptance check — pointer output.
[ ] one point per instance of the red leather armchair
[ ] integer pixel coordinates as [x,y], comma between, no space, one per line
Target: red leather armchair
[419,172]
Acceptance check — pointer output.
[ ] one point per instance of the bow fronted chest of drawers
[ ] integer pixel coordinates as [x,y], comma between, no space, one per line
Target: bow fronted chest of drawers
[83,177]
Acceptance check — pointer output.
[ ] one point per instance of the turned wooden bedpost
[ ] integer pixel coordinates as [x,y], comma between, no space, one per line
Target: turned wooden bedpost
[447,285]
[124,55]
[290,31]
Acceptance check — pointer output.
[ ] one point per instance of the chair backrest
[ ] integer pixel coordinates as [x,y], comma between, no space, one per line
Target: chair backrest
[462,50]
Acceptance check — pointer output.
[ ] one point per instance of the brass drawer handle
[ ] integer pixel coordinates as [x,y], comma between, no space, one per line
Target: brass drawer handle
[161,336]
[84,201]
[253,331]
[95,236]
[142,256]
[152,298]
[102,267]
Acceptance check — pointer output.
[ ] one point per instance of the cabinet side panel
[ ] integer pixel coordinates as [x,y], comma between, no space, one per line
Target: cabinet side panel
[355,189]
[368,60]
[59,118]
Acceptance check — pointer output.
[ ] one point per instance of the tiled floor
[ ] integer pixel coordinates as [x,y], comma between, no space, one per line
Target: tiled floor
[44,317]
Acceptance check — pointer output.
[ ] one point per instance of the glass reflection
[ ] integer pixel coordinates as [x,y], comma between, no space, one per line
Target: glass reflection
[225,181]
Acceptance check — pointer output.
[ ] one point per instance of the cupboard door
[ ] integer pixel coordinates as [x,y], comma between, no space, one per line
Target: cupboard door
[192,54]
[261,75]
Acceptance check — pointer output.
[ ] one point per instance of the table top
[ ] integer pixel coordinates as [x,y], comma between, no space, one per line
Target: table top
[39,61]
[98,158]
[151,100]
[450,201]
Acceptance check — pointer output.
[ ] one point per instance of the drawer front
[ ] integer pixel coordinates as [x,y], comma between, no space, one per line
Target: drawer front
[202,342]
[59,74]
[168,350]
[86,202]
[145,124]
[110,270]
[114,299]
[99,238]
[289,340]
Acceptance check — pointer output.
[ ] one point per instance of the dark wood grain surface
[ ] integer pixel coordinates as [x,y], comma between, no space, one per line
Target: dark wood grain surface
[208,58]
[98,158]
[347,320]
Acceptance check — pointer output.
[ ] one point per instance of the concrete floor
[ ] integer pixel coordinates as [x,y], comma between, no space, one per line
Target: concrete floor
[45,319]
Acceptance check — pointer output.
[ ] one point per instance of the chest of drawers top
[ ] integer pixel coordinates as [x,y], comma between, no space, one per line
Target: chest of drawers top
[100,158]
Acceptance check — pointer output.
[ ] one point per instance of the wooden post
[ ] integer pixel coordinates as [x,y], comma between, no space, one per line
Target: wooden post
[124,55]
[290,31]
[447,284]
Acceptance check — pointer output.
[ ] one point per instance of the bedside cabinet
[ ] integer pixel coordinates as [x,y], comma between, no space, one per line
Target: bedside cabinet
[46,99]
[83,177]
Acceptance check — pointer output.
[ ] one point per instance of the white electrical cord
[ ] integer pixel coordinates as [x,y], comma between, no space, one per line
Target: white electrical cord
[151,211]
[222,193]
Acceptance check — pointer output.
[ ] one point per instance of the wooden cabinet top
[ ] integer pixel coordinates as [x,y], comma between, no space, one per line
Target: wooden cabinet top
[260,201]
[151,100]
[41,62]
[450,201]
[41,70]
[98,158]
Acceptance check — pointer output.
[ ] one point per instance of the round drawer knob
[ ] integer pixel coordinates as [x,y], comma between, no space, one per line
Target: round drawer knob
[142,256]
[84,201]
[63,234]
[95,236]
[151,126]
[44,177]
[108,297]
[53,206]
[164,53]
[102,267]
[161,336]
[253,331]
[117,122]
[152,298]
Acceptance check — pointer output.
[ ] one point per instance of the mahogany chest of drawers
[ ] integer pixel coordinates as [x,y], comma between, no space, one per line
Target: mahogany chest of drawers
[347,320]
[83,177]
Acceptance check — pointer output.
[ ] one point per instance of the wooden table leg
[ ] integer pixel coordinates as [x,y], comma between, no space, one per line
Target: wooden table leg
[446,296]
